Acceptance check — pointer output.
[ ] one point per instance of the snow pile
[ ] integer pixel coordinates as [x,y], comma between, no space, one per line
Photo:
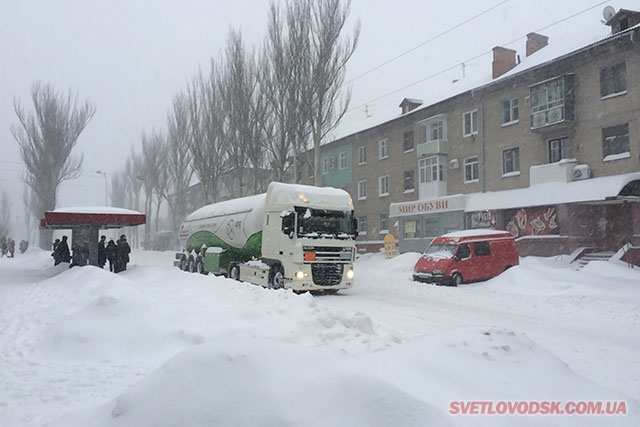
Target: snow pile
[155,346]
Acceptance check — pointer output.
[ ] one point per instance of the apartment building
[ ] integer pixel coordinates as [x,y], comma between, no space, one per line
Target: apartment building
[549,149]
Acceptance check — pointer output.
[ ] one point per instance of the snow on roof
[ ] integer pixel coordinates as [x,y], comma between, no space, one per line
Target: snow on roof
[552,193]
[476,233]
[97,209]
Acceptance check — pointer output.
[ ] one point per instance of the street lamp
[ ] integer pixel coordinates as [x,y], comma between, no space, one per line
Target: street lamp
[104,175]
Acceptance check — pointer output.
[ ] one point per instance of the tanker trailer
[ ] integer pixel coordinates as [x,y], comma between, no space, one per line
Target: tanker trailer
[294,236]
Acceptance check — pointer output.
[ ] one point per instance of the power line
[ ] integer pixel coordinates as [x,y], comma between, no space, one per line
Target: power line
[450,29]
[466,60]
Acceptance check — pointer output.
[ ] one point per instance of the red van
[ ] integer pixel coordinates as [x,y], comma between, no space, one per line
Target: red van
[466,256]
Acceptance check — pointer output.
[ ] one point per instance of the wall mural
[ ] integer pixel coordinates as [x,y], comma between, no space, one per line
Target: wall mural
[538,221]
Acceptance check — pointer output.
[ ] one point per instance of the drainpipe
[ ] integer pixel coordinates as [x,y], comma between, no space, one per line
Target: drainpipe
[484,180]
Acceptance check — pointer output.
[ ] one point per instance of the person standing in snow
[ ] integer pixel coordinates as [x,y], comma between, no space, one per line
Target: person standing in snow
[122,253]
[64,255]
[12,247]
[3,245]
[110,253]
[102,251]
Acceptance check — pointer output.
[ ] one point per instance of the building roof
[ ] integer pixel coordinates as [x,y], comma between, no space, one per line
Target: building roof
[104,217]
[553,193]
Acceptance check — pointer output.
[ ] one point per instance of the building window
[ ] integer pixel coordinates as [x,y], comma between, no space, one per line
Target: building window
[342,162]
[362,225]
[384,223]
[326,165]
[383,186]
[471,169]
[613,80]
[558,149]
[552,102]
[409,181]
[431,169]
[509,112]
[362,190]
[470,123]
[362,154]
[511,162]
[435,128]
[615,140]
[407,141]
[383,149]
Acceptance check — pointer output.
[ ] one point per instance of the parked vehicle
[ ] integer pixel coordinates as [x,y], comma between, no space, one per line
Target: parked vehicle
[466,256]
[293,236]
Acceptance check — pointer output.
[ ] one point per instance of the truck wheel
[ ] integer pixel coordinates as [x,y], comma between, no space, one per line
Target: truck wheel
[183,263]
[276,277]
[200,267]
[234,272]
[192,265]
[456,279]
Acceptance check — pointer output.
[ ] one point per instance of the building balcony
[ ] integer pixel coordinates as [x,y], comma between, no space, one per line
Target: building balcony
[431,148]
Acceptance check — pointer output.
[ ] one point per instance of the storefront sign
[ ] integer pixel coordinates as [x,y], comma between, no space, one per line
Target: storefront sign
[483,219]
[442,204]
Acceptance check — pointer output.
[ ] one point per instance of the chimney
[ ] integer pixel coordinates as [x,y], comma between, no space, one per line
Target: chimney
[535,42]
[503,60]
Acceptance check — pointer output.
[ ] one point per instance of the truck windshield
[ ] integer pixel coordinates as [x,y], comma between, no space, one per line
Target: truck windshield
[440,250]
[324,224]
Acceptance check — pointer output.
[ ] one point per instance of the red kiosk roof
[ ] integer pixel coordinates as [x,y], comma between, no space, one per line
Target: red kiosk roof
[104,218]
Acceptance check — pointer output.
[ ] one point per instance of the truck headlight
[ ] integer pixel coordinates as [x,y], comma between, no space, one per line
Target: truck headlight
[351,274]
[300,275]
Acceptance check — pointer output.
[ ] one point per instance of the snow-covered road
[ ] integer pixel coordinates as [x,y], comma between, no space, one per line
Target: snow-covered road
[155,346]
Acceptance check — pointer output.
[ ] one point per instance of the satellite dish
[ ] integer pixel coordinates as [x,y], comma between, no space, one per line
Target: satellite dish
[608,13]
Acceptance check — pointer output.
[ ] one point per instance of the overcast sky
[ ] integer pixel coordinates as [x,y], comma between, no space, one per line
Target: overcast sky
[130,57]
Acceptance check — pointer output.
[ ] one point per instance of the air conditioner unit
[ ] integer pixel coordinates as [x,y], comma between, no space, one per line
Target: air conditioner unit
[454,164]
[555,115]
[581,172]
[539,119]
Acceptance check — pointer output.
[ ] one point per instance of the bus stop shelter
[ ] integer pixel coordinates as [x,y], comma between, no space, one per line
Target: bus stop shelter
[85,224]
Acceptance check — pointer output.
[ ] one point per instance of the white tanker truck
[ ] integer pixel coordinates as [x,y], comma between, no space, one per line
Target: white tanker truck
[294,236]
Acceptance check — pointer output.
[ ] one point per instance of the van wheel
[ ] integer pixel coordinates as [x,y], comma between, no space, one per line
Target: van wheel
[456,280]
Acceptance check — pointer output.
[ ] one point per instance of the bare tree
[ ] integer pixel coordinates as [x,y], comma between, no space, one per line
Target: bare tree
[118,190]
[153,156]
[179,159]
[5,214]
[282,79]
[206,119]
[46,138]
[329,56]
[30,205]
[239,93]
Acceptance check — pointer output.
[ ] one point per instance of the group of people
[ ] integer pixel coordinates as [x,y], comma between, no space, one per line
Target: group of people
[117,253]
[8,246]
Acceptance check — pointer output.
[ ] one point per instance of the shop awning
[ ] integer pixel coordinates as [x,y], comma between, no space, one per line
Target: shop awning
[554,193]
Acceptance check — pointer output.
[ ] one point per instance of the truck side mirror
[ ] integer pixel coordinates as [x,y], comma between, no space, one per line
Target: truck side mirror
[354,227]
[288,225]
